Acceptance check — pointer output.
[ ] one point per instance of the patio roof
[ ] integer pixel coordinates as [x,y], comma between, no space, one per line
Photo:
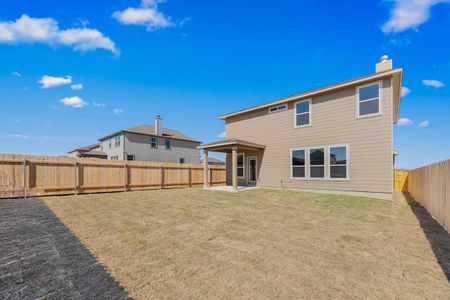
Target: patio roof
[228,144]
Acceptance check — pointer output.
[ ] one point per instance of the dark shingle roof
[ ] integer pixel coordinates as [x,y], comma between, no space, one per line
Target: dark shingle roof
[150,130]
[86,148]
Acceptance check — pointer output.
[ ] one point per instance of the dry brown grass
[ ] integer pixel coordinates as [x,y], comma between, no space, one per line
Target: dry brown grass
[191,243]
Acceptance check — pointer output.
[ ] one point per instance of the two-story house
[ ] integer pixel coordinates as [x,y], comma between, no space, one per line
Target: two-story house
[150,143]
[337,138]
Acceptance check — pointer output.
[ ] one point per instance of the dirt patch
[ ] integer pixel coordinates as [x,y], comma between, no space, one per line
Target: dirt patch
[41,258]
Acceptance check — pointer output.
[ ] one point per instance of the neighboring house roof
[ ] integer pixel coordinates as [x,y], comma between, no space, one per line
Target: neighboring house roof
[397,73]
[86,148]
[215,160]
[94,153]
[150,130]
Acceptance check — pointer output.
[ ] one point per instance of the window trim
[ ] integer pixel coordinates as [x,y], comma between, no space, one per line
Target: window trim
[309,112]
[277,108]
[305,166]
[380,99]
[243,166]
[325,163]
[347,169]
[151,142]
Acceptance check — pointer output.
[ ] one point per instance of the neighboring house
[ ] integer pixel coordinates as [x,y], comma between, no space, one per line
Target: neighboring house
[91,151]
[151,143]
[336,138]
[215,162]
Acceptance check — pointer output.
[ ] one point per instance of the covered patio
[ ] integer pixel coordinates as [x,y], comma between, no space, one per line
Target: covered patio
[235,147]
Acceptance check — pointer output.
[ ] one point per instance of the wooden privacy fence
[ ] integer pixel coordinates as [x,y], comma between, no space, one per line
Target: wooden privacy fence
[22,175]
[430,186]
[401,180]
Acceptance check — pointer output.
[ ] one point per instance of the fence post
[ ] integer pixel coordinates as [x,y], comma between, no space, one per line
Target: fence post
[161,173]
[125,170]
[75,176]
[25,178]
[190,177]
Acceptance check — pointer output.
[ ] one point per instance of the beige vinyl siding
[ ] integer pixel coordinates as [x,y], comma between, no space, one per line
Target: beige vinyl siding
[139,146]
[333,122]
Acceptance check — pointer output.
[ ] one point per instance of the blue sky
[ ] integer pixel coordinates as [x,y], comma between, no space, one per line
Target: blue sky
[192,61]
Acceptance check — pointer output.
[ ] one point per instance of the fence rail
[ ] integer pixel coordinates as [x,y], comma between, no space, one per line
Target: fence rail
[26,176]
[430,186]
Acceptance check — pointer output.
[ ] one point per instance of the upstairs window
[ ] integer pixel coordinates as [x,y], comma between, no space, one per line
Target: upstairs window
[338,162]
[117,141]
[168,144]
[302,113]
[277,108]
[369,100]
[110,141]
[298,163]
[153,142]
[240,165]
[317,162]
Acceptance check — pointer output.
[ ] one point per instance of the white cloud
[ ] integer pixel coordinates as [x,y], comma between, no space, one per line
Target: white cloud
[405,122]
[16,74]
[75,102]
[409,14]
[146,15]
[117,111]
[405,91]
[433,83]
[96,104]
[424,124]
[50,81]
[18,136]
[46,31]
[222,135]
[77,86]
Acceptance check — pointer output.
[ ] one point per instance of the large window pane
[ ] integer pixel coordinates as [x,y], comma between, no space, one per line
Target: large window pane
[240,172]
[298,157]
[338,155]
[298,172]
[317,172]
[240,160]
[317,156]
[338,171]
[369,107]
[302,107]
[369,92]
[302,119]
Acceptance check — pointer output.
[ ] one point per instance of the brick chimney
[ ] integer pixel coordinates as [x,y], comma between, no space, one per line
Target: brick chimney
[158,125]
[385,64]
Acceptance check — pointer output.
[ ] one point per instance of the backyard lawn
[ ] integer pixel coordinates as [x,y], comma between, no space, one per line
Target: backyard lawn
[260,244]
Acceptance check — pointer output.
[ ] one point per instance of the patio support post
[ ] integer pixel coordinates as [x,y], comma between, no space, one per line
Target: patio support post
[234,168]
[205,169]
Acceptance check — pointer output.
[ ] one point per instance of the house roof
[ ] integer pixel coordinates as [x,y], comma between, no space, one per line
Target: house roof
[228,144]
[86,148]
[95,153]
[215,160]
[396,73]
[150,130]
